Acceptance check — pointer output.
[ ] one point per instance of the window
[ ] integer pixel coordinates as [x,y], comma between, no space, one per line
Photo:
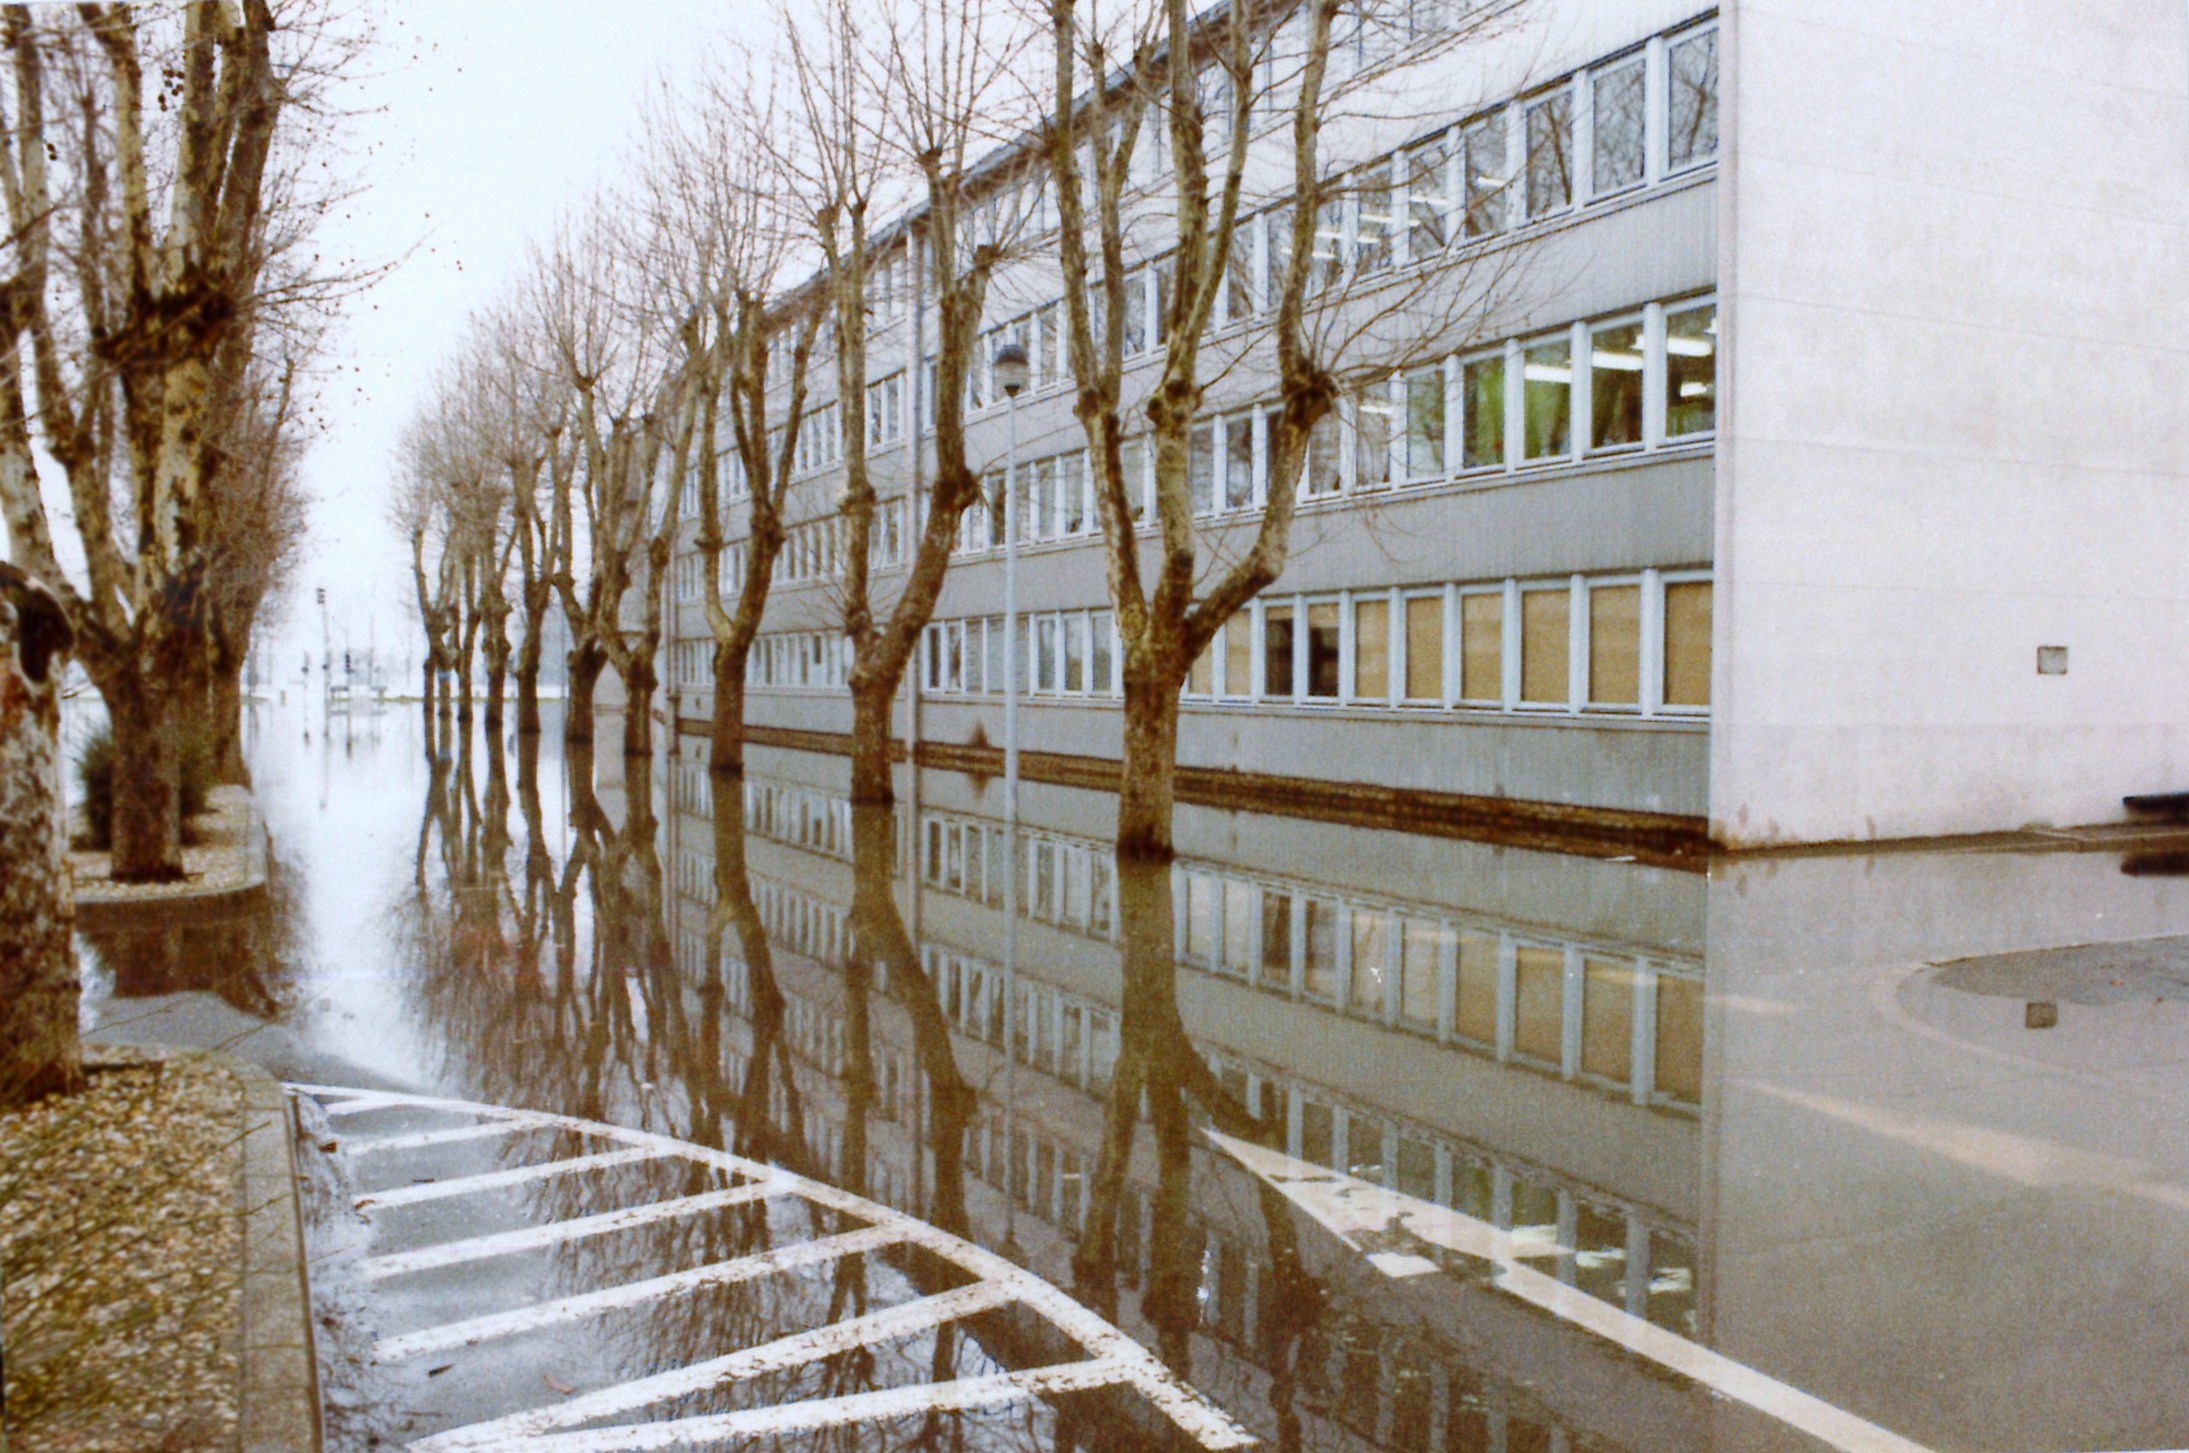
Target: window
[1372,649]
[1619,122]
[1372,419]
[1201,678]
[1679,1038]
[1418,974]
[1166,290]
[1550,152]
[1691,383]
[1425,648]
[1539,1004]
[1428,198]
[1482,646]
[1100,678]
[1132,468]
[1049,345]
[884,409]
[1071,488]
[1482,396]
[1375,221]
[1323,475]
[1239,281]
[1548,373]
[1277,226]
[1136,312]
[1239,655]
[1475,1015]
[1687,643]
[1075,652]
[1607,1017]
[1329,254]
[1238,462]
[1615,385]
[1201,467]
[1045,653]
[1545,622]
[1615,645]
[1425,424]
[1322,649]
[1486,174]
[1277,651]
[1692,63]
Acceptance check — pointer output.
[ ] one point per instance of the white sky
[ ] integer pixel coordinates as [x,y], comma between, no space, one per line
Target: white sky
[494,117]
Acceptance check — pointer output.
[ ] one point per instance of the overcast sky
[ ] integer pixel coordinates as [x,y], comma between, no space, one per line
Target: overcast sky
[494,116]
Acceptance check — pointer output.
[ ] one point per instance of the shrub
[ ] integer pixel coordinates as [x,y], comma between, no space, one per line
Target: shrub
[95,773]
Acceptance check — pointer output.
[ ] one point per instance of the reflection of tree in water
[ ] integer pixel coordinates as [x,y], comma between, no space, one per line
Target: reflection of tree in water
[1158,1067]
[248,952]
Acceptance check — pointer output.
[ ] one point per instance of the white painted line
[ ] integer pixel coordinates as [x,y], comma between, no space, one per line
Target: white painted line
[1347,1206]
[358,1106]
[631,1294]
[494,1180]
[964,1394]
[795,1350]
[426,1138]
[1198,1418]
[528,1238]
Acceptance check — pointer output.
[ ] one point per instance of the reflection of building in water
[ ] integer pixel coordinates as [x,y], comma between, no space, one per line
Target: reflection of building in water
[1533,1076]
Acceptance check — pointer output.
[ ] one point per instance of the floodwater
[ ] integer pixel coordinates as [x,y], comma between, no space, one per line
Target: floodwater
[1377,1141]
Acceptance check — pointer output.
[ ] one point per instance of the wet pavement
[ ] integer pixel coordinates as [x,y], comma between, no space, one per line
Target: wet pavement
[1377,1141]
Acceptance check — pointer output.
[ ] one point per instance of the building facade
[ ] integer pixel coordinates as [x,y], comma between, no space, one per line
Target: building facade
[1553,553]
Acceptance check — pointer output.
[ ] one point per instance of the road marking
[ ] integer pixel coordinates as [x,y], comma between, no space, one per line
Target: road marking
[1347,1206]
[962,1395]
[427,1138]
[494,1180]
[503,1243]
[631,1294]
[783,1353]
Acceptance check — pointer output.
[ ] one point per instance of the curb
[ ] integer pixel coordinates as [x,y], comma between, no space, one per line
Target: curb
[109,906]
[278,1401]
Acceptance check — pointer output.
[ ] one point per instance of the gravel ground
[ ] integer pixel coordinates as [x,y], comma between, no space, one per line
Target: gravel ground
[121,1242]
[224,856]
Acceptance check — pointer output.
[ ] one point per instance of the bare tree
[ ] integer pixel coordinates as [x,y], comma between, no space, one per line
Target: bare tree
[1156,74]
[173,222]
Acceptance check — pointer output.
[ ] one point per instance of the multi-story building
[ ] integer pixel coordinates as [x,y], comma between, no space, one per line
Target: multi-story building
[1715,494]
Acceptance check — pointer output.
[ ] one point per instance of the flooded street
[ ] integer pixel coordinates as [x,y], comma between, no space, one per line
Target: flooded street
[1377,1141]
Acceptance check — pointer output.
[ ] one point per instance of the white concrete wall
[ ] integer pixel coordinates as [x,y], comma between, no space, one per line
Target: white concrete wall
[1953,276]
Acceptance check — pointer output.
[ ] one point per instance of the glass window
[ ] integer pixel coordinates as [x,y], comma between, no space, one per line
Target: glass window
[1371,941]
[1075,652]
[1049,352]
[1276,939]
[1239,655]
[1425,424]
[1482,647]
[1375,220]
[1321,958]
[1548,371]
[1425,648]
[1619,122]
[1099,676]
[1607,1017]
[1693,65]
[1322,649]
[1277,650]
[1372,419]
[1539,1005]
[1428,198]
[1136,312]
[1687,643]
[1239,281]
[1132,468]
[1544,626]
[1418,972]
[1680,1038]
[1550,152]
[1239,913]
[1488,176]
[1045,653]
[1201,679]
[1323,476]
[1071,487]
[1482,390]
[1201,467]
[1165,273]
[1201,918]
[1372,649]
[1318,1133]
[994,679]
[1238,462]
[1615,645]
[1691,383]
[1615,385]
[1278,223]
[1041,514]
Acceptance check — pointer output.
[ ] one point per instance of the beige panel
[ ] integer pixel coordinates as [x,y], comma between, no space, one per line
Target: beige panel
[1544,628]
[1615,645]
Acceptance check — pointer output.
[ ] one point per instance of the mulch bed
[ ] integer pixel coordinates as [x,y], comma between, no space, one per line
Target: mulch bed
[121,1248]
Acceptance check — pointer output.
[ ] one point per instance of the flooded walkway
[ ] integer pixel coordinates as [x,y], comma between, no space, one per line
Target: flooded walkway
[1372,1141]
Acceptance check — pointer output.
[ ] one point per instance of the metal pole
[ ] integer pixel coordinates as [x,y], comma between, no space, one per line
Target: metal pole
[1010,820]
[1010,618]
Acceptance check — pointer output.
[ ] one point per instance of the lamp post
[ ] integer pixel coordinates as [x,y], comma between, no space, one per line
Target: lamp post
[1010,374]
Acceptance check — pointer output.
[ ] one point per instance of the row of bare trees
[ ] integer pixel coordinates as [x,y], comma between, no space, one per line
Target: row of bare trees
[974,145]
[159,300]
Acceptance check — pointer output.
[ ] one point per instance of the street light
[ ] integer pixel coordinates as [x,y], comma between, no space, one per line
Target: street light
[1010,374]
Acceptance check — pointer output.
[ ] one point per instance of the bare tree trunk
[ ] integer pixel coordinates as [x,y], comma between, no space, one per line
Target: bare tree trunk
[726,754]
[639,682]
[586,663]
[147,823]
[223,726]
[528,672]
[38,985]
[1147,783]
[871,779]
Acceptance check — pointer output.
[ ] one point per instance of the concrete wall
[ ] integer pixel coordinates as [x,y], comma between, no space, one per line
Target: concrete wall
[1952,295]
